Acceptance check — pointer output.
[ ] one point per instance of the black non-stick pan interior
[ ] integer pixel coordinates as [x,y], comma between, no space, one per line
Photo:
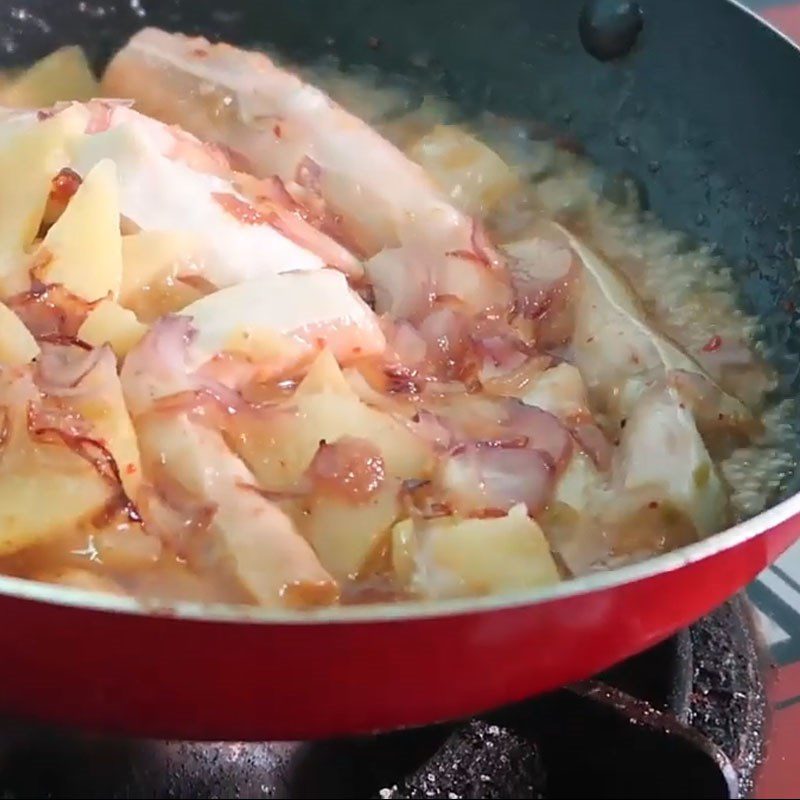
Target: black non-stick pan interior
[701,113]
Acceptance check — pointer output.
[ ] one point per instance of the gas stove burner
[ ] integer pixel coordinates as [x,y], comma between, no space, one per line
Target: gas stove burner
[685,719]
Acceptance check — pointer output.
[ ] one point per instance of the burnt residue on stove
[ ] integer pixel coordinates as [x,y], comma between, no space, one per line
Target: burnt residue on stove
[479,759]
[728,703]
[685,719]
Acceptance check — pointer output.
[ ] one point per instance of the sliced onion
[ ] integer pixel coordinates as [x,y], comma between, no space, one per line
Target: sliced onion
[477,478]
[61,369]
[445,331]
[594,443]
[100,118]
[274,205]
[406,343]
[546,276]
[173,512]
[433,429]
[159,365]
[515,382]
[350,468]
[483,247]
[50,310]
[63,431]
[544,431]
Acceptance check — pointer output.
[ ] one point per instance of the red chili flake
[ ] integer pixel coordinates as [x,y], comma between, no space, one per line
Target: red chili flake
[130,469]
[64,185]
[653,504]
[276,129]
[200,52]
[714,343]
[357,350]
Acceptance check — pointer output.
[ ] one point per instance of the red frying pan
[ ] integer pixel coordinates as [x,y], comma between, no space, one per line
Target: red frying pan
[221,673]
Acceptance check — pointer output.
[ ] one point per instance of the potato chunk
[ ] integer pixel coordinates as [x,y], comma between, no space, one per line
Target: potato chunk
[46,489]
[344,534]
[83,249]
[472,175]
[17,345]
[280,449]
[152,264]
[62,75]
[30,157]
[454,557]
[110,323]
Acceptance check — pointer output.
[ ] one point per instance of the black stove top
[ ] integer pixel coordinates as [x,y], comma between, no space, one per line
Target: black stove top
[685,719]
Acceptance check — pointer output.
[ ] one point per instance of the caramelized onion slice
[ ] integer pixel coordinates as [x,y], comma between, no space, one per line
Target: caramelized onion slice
[487,477]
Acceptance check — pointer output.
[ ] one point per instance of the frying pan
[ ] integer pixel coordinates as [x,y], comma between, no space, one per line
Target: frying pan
[707,92]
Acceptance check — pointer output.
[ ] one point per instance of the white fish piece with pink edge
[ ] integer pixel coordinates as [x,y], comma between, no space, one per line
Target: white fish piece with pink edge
[276,320]
[374,198]
[170,181]
[282,126]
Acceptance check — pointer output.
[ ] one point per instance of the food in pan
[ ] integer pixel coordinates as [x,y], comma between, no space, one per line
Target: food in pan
[264,344]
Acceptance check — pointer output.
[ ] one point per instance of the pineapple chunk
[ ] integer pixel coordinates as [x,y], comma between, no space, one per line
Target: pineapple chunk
[277,319]
[17,345]
[344,535]
[151,262]
[73,489]
[46,489]
[279,450]
[29,160]
[472,175]
[325,375]
[559,390]
[62,75]
[83,249]
[110,323]
[455,557]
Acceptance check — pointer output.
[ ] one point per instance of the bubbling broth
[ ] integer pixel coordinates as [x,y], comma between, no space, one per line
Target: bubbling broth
[298,337]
